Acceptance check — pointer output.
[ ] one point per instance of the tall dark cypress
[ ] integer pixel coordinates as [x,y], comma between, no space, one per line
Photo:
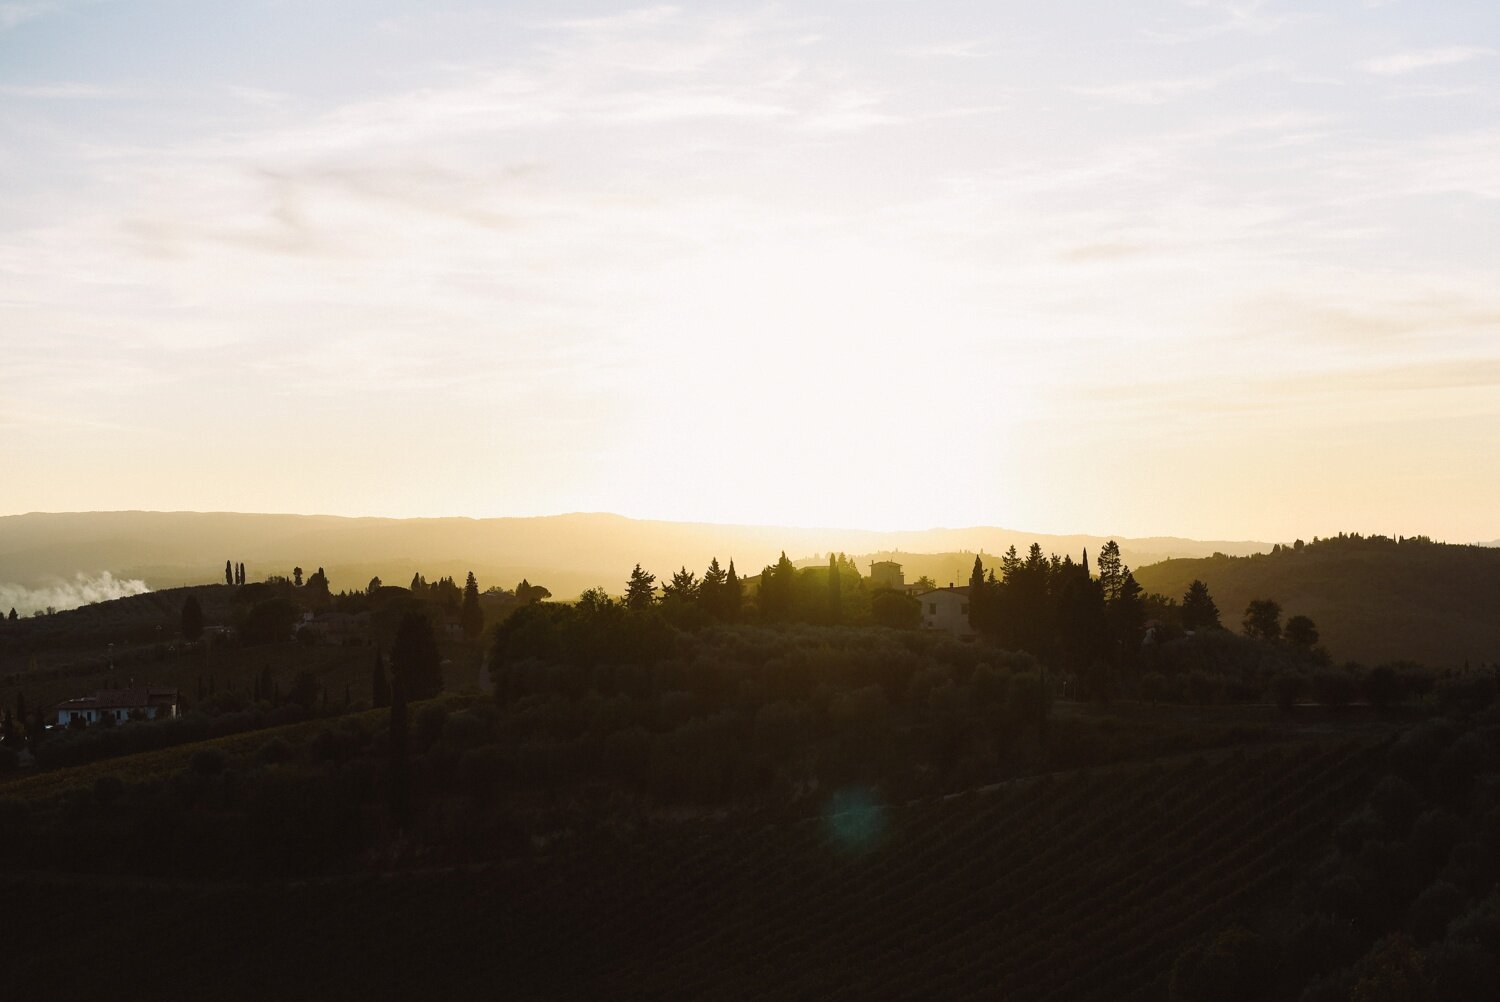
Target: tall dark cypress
[228,574]
[835,591]
[471,617]
[400,779]
[977,594]
[380,689]
[192,618]
[733,594]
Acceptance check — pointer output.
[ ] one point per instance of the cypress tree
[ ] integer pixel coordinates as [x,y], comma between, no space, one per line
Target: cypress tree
[192,618]
[400,786]
[1111,571]
[977,594]
[733,594]
[835,591]
[380,689]
[711,590]
[228,574]
[414,658]
[471,617]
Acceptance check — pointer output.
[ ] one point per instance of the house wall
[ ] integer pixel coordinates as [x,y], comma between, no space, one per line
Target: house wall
[946,610]
[65,717]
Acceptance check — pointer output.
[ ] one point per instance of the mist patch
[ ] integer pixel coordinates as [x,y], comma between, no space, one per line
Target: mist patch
[84,589]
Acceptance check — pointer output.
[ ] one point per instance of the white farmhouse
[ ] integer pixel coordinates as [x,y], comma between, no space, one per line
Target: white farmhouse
[119,704]
[947,609]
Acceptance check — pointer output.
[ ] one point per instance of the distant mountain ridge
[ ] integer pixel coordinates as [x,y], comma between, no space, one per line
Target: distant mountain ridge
[568,553]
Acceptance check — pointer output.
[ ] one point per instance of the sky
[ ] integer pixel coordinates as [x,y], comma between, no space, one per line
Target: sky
[1216,269]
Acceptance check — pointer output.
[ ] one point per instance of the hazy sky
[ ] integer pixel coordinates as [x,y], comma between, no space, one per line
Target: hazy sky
[1202,268]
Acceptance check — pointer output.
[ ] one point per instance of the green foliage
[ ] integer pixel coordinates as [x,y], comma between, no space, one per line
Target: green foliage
[895,610]
[1262,619]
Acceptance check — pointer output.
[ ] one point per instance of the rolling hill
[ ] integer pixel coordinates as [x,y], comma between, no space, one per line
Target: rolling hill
[1077,886]
[568,553]
[1373,599]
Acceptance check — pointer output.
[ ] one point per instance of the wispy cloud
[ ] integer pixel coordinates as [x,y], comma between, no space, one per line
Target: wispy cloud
[1256,17]
[13,14]
[971,49]
[60,91]
[1420,59]
[1158,91]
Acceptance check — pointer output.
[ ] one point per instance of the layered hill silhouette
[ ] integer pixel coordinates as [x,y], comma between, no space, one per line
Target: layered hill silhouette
[568,553]
[1373,598]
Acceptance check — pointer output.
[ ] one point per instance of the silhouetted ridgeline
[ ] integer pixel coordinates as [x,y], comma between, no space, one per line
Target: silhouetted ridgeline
[1373,598]
[569,552]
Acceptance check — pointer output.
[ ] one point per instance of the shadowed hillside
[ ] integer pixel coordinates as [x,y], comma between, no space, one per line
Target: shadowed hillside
[567,552]
[1373,598]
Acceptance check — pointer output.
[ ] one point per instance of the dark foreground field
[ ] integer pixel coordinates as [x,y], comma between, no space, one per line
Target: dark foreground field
[1082,885]
[749,811]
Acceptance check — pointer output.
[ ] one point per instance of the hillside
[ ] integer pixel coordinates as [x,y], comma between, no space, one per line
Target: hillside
[568,553]
[1373,599]
[790,812]
[1077,886]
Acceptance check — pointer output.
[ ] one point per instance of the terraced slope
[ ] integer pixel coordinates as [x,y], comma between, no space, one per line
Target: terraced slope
[1084,886]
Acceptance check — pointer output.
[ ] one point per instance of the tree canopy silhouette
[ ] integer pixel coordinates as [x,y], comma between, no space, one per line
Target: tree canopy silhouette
[415,662]
[192,618]
[640,590]
[1262,619]
[471,616]
[1198,609]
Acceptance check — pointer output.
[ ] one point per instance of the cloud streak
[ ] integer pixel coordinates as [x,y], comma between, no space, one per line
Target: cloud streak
[1421,59]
